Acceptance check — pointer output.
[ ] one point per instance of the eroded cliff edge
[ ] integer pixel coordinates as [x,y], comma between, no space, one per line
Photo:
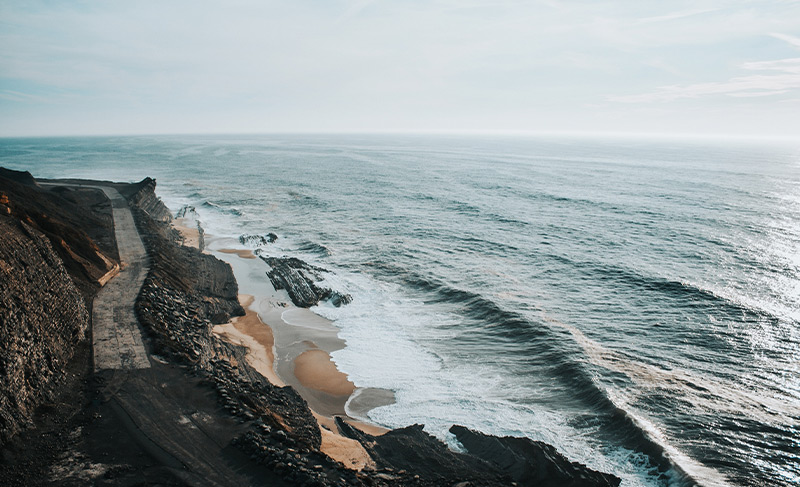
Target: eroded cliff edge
[44,318]
[50,269]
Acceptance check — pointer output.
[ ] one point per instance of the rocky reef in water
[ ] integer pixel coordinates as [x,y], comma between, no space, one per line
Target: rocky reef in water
[300,280]
[258,240]
[530,462]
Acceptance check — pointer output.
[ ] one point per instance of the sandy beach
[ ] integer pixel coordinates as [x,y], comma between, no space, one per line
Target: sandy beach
[292,346]
[250,332]
[189,231]
[242,253]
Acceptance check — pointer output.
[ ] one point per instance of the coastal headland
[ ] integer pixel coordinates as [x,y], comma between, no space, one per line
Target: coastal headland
[130,355]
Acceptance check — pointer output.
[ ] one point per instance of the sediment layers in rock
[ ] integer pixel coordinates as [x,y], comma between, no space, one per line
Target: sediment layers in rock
[300,280]
[531,462]
[43,316]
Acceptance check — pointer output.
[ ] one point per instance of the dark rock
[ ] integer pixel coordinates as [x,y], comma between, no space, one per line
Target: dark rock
[299,279]
[82,238]
[20,177]
[143,196]
[418,453]
[531,462]
[186,211]
[285,276]
[42,319]
[336,298]
[258,240]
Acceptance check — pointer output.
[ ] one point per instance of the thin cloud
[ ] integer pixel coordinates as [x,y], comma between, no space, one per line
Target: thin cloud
[790,39]
[19,96]
[676,15]
[791,65]
[355,8]
[756,94]
[779,77]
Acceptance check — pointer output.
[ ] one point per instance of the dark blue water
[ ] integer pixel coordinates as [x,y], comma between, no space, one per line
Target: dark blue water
[634,302]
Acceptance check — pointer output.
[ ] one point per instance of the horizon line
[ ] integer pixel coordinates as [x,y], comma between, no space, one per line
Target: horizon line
[454,133]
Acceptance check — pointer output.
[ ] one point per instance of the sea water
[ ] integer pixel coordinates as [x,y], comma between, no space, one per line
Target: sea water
[634,302]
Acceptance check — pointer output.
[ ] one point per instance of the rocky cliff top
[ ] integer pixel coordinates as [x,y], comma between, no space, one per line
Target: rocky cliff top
[76,221]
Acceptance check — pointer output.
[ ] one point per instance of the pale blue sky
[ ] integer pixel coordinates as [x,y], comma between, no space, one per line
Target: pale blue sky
[108,67]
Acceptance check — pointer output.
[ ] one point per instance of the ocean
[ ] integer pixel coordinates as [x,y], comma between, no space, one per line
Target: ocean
[634,302]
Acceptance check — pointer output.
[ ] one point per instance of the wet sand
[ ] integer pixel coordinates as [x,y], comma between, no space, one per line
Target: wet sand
[292,346]
[243,253]
[250,332]
[315,369]
[189,232]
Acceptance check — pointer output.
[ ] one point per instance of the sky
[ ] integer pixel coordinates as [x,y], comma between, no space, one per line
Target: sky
[700,67]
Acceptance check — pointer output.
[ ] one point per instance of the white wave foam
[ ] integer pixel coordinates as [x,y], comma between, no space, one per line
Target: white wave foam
[399,343]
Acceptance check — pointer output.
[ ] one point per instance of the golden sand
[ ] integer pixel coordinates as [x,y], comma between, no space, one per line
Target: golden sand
[315,369]
[242,253]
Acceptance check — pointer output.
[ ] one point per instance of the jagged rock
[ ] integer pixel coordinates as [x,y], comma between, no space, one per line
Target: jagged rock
[42,318]
[531,462]
[299,279]
[285,276]
[336,298]
[258,240]
[186,211]
[77,234]
[143,196]
[190,218]
[417,453]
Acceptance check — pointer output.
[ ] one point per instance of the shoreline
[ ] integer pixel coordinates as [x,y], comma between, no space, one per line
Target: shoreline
[301,341]
[292,346]
[209,406]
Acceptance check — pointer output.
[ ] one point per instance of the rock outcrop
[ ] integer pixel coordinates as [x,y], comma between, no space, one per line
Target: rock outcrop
[207,280]
[531,462]
[77,222]
[21,177]
[410,456]
[300,279]
[143,196]
[258,240]
[43,317]
[188,217]
[57,247]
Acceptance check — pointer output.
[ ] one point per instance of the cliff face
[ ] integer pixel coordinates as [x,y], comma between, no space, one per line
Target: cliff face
[77,222]
[186,270]
[42,318]
[143,196]
[57,247]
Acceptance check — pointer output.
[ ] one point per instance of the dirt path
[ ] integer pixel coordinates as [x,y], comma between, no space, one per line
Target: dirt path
[169,415]
[116,336]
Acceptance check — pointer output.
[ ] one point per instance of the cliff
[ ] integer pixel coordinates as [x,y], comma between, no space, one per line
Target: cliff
[56,249]
[76,221]
[187,291]
[142,195]
[205,280]
[43,318]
